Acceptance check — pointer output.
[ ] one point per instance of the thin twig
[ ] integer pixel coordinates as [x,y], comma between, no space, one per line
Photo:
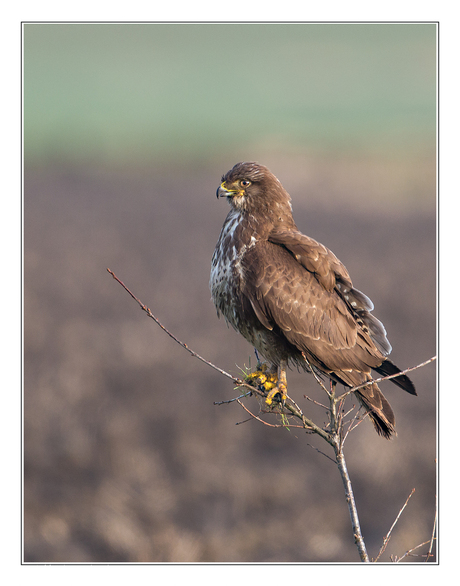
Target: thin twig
[183,344]
[315,402]
[353,424]
[388,535]
[312,370]
[244,421]
[322,453]
[409,552]
[257,418]
[231,400]
[308,424]
[389,377]
[434,530]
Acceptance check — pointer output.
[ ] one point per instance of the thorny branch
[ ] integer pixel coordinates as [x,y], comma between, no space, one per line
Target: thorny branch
[333,435]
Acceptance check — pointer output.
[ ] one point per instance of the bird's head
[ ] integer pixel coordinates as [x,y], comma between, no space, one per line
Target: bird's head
[252,188]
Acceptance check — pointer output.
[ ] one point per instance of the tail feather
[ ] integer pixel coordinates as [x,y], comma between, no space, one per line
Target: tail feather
[387,368]
[379,410]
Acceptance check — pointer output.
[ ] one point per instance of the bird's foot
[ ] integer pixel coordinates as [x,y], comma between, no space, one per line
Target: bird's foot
[280,390]
[266,380]
[263,377]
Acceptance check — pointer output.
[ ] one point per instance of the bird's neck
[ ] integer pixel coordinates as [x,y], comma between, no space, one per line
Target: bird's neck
[245,227]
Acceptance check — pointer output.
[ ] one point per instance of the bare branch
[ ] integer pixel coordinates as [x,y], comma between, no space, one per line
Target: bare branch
[353,423]
[358,537]
[389,377]
[315,402]
[317,378]
[307,423]
[388,535]
[409,552]
[433,532]
[232,400]
[322,453]
[255,416]
[183,344]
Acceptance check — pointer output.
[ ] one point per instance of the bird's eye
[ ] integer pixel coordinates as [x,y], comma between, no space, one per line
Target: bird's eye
[245,183]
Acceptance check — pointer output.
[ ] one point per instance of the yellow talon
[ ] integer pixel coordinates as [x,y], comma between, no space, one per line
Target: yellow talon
[270,384]
[280,389]
[267,380]
[263,377]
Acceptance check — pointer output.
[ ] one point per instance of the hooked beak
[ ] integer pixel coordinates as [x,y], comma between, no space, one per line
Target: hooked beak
[224,192]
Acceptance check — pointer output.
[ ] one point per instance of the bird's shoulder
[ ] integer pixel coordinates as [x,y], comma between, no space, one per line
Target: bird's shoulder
[313,256]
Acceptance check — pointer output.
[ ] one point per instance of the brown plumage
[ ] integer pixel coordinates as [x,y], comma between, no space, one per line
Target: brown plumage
[290,296]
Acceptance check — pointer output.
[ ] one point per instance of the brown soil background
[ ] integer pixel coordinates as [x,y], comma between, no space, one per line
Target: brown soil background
[126,457]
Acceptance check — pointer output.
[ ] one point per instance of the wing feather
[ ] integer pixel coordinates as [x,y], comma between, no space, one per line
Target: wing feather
[331,326]
[331,274]
[285,295]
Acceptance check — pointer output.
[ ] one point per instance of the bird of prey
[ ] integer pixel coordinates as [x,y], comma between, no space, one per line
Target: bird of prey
[292,298]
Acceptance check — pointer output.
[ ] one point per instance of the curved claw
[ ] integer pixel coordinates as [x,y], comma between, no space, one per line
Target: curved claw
[271,381]
[280,389]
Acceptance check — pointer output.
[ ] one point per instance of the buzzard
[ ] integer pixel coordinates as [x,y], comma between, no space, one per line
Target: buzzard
[292,298]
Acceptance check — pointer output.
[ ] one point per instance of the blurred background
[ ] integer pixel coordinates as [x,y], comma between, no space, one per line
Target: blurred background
[127,131]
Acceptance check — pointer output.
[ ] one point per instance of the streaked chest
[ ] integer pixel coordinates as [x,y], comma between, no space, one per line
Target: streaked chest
[227,275]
